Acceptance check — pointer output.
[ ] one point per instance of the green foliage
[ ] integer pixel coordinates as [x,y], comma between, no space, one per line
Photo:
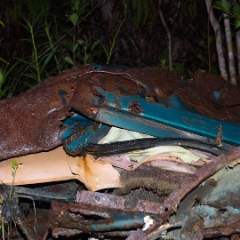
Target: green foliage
[232,9]
[53,47]
[236,14]
[130,32]
[14,164]
[4,73]
[82,50]
[110,52]
[36,64]
[15,167]
[33,64]
[78,10]
[163,63]
[8,204]
[1,59]
[48,50]
[141,9]
[223,6]
[191,10]
[36,24]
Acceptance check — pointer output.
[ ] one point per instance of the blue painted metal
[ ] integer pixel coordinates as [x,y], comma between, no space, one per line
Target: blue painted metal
[74,124]
[174,114]
[120,220]
[170,118]
[217,95]
[80,130]
[62,93]
[80,139]
[97,67]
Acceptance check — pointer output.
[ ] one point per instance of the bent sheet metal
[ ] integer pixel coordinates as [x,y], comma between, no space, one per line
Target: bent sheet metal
[147,100]
[77,107]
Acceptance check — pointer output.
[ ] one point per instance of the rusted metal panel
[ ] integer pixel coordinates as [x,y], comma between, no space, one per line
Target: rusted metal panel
[104,212]
[32,121]
[42,118]
[207,209]
[100,212]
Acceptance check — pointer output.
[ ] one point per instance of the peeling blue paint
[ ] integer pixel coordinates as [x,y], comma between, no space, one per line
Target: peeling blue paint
[80,129]
[175,114]
[217,95]
[62,93]
[120,221]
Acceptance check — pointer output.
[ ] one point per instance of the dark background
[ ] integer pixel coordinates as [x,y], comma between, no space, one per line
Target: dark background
[42,38]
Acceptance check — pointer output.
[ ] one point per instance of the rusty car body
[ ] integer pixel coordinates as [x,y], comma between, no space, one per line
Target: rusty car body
[77,108]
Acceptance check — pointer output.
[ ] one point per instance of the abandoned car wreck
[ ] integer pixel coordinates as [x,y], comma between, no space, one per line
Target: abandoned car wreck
[121,153]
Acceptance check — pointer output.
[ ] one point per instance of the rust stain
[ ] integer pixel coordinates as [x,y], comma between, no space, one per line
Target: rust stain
[118,105]
[135,107]
[83,163]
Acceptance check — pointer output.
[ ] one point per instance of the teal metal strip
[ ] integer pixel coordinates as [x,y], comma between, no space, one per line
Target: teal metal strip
[120,220]
[176,117]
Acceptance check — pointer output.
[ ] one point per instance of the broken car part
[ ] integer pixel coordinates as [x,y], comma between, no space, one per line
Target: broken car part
[132,145]
[75,108]
[148,100]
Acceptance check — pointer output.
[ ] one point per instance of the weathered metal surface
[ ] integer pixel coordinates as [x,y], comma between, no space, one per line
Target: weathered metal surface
[209,209]
[194,180]
[227,230]
[70,108]
[29,232]
[32,121]
[56,232]
[183,118]
[79,131]
[100,212]
[104,212]
[132,93]
[157,180]
[213,204]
